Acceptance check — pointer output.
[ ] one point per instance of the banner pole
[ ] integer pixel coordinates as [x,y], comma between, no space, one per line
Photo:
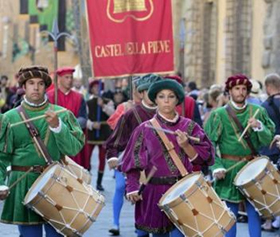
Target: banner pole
[130,87]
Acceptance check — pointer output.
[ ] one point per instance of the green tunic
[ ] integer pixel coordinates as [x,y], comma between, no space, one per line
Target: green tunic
[17,148]
[224,134]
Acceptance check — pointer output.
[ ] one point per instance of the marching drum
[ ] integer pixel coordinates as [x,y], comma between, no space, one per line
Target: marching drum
[76,169]
[195,208]
[259,182]
[67,203]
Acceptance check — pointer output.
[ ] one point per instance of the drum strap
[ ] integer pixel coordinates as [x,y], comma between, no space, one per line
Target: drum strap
[35,136]
[170,148]
[239,125]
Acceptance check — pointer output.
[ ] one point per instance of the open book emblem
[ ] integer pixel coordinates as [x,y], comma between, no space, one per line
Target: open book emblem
[119,10]
[121,6]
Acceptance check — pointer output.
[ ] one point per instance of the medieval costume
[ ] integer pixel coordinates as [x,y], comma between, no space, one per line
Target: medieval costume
[224,134]
[74,102]
[96,137]
[117,142]
[60,135]
[221,126]
[17,149]
[146,149]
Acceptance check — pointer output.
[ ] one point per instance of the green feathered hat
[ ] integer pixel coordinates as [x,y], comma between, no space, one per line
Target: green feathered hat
[166,84]
[145,81]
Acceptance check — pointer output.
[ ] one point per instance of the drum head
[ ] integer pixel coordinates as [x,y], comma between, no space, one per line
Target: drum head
[40,184]
[251,171]
[180,188]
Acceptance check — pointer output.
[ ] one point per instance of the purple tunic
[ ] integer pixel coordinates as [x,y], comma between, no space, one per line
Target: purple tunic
[127,123]
[145,150]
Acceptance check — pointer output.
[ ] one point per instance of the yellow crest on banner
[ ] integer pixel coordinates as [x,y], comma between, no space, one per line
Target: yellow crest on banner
[126,7]
[121,6]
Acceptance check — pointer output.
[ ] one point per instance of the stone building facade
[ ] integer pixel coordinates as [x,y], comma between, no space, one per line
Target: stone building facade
[225,37]
[271,40]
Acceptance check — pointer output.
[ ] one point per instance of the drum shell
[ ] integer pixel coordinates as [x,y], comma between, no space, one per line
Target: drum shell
[196,213]
[259,188]
[67,204]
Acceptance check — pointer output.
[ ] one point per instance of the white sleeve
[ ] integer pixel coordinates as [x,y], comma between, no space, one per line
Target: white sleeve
[57,129]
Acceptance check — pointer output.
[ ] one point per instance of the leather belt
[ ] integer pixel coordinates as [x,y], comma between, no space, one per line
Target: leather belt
[35,168]
[237,158]
[164,180]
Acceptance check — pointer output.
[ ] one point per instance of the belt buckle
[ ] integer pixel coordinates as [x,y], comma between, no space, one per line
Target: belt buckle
[38,169]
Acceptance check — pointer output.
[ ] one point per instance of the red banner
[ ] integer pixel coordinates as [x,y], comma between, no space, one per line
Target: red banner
[130,37]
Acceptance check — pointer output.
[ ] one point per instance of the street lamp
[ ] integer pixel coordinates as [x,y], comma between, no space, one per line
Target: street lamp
[55,35]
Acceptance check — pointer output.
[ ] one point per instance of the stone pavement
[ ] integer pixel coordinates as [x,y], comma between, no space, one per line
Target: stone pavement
[104,220]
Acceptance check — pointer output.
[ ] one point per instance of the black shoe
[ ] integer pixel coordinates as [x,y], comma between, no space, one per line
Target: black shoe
[274,228]
[99,187]
[242,219]
[114,232]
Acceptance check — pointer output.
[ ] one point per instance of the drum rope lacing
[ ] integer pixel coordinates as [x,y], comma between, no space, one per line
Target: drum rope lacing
[215,219]
[264,203]
[81,171]
[88,191]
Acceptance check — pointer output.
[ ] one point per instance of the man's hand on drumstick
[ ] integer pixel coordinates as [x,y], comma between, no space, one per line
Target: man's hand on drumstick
[133,197]
[52,118]
[219,175]
[4,192]
[254,123]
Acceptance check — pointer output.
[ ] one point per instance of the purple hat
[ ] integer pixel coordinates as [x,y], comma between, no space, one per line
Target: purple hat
[238,79]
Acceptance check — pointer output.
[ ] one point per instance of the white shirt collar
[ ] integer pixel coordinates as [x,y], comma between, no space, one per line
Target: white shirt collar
[35,105]
[170,120]
[147,106]
[236,107]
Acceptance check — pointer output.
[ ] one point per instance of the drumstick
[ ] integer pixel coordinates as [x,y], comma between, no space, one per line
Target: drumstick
[196,139]
[36,118]
[235,165]
[248,125]
[21,177]
[229,169]
[150,175]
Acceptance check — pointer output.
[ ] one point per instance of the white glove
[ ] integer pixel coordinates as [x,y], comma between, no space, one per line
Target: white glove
[3,187]
[89,124]
[4,192]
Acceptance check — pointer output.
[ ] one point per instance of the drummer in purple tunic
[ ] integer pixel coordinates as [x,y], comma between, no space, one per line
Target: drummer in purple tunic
[146,149]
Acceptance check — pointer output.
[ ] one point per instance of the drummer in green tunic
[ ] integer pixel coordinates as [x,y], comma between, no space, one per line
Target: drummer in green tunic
[224,132]
[60,134]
